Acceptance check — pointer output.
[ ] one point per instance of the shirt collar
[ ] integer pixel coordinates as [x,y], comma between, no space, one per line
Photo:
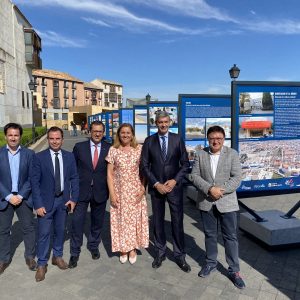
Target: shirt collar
[93,144]
[166,135]
[211,153]
[52,152]
[18,149]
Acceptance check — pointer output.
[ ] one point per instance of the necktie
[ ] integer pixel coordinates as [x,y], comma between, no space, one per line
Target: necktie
[57,175]
[164,148]
[95,158]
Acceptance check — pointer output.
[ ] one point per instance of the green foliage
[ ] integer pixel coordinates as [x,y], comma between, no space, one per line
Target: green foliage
[267,102]
[27,136]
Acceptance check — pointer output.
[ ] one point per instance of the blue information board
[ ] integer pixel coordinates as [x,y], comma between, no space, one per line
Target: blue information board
[267,134]
[197,114]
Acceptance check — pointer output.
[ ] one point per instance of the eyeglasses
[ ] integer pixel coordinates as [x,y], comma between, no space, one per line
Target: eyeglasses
[216,139]
[97,131]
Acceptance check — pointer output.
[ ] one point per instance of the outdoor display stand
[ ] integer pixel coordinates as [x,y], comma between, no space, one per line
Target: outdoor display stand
[196,114]
[265,132]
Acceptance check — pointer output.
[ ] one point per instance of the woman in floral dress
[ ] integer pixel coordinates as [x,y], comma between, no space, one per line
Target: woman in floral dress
[128,210]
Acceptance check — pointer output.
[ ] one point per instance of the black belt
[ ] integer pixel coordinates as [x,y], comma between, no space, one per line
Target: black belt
[14,193]
[60,194]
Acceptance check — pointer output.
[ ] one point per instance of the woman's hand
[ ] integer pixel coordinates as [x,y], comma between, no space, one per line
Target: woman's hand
[140,194]
[114,200]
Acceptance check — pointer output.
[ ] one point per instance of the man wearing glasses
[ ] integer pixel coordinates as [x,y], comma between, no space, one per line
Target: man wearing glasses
[217,174]
[92,169]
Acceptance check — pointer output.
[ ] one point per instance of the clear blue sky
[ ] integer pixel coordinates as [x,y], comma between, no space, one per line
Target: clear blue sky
[167,47]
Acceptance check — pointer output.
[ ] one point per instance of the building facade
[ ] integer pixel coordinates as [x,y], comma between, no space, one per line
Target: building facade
[20,48]
[112,93]
[56,92]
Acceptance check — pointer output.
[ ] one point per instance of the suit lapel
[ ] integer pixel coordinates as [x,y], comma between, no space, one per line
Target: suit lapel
[48,159]
[89,155]
[5,163]
[21,165]
[64,157]
[221,161]
[158,147]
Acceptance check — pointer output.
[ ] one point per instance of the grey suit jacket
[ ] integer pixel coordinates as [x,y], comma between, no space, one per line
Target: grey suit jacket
[228,176]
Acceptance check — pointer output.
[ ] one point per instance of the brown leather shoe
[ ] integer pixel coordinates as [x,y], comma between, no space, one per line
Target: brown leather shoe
[58,261]
[3,266]
[40,273]
[31,263]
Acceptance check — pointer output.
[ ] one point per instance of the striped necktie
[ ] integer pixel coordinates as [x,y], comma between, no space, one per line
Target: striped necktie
[164,147]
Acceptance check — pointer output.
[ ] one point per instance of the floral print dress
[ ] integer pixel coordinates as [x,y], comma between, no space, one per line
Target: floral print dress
[129,223]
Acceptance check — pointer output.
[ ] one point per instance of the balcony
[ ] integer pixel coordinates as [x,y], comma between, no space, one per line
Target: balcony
[32,48]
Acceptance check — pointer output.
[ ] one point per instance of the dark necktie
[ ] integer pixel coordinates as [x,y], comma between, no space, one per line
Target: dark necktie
[57,175]
[164,148]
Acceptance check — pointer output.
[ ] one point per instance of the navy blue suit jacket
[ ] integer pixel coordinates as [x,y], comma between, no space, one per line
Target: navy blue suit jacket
[43,182]
[87,174]
[155,169]
[25,168]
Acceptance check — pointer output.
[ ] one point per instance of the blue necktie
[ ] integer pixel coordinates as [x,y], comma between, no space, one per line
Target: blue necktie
[57,175]
[164,148]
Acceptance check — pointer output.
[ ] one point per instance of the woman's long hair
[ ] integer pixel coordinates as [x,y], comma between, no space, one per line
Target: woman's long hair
[117,141]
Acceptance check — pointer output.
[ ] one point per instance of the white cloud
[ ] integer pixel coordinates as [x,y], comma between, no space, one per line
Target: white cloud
[53,39]
[96,22]
[275,27]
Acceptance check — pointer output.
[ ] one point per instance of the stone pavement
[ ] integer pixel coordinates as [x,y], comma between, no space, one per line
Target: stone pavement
[268,275]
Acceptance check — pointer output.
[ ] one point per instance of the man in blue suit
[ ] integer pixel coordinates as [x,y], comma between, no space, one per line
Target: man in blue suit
[15,195]
[92,169]
[164,164]
[55,189]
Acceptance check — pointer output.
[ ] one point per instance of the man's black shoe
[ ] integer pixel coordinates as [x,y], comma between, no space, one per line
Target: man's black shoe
[183,265]
[206,270]
[95,254]
[158,261]
[237,280]
[73,262]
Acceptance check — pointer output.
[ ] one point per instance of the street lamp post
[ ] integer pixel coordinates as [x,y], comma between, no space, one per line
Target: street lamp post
[45,106]
[148,98]
[32,86]
[234,72]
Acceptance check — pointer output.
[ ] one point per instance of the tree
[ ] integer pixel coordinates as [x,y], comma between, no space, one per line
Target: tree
[267,101]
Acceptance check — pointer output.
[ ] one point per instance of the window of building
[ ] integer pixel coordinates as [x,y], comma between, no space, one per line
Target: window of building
[44,93]
[55,88]
[106,97]
[73,102]
[66,93]
[27,94]
[66,84]
[23,99]
[73,85]
[2,77]
[64,116]
[74,94]
[66,104]
[56,103]
[86,94]
[119,98]
[56,116]
[44,82]
[112,105]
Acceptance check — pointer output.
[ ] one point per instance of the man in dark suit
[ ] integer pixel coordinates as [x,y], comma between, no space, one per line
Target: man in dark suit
[55,189]
[15,195]
[164,164]
[217,174]
[92,169]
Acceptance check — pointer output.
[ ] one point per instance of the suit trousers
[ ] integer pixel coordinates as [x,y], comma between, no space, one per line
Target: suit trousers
[176,210]
[228,222]
[26,219]
[57,218]
[78,221]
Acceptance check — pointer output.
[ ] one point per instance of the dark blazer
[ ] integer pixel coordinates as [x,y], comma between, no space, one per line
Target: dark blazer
[24,186]
[43,182]
[155,169]
[87,174]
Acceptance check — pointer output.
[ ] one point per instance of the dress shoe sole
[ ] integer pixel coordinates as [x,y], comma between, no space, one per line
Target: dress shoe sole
[156,266]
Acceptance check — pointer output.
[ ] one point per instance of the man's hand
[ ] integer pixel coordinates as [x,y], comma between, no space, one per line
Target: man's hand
[161,188]
[169,184]
[15,200]
[216,192]
[71,204]
[41,211]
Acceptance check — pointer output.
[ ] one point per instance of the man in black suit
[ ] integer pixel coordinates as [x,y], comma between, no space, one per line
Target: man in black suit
[164,164]
[15,195]
[92,169]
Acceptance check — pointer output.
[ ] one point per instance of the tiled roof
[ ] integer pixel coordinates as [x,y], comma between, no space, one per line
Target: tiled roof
[98,81]
[54,74]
